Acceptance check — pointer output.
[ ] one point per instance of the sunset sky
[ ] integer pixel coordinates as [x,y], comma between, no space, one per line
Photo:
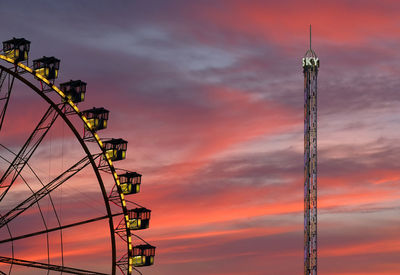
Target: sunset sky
[209,95]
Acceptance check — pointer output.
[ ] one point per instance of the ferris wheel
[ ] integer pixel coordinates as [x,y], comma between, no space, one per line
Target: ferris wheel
[59,188]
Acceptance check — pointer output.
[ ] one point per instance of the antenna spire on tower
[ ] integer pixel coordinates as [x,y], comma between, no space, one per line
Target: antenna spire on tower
[310,36]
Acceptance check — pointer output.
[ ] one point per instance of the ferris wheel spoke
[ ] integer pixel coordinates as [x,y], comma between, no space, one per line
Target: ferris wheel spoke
[27,150]
[45,190]
[36,176]
[58,228]
[65,269]
[38,205]
[6,98]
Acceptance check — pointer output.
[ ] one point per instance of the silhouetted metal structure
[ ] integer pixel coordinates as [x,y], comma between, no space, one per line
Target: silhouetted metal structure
[310,70]
[61,104]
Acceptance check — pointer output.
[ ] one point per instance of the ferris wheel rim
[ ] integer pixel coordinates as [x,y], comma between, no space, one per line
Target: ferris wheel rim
[80,139]
[101,146]
[85,148]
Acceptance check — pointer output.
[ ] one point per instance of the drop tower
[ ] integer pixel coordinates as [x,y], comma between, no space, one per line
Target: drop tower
[310,71]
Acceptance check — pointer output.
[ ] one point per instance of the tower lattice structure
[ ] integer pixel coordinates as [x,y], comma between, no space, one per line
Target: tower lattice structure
[310,70]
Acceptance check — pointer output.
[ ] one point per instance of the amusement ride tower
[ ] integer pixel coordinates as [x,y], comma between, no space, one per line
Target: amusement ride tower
[310,70]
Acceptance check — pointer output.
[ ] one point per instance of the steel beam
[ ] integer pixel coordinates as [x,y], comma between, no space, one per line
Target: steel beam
[39,265]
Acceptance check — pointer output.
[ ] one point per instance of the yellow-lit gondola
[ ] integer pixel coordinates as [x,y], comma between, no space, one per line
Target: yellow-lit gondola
[139,218]
[97,118]
[143,255]
[16,49]
[130,182]
[47,67]
[116,149]
[74,90]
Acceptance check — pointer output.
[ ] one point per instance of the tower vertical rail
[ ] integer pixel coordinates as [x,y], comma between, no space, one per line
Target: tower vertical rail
[310,71]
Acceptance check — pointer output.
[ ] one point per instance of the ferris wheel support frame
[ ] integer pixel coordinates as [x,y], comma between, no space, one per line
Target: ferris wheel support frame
[77,135]
[107,160]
